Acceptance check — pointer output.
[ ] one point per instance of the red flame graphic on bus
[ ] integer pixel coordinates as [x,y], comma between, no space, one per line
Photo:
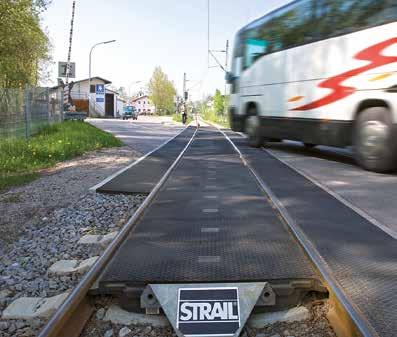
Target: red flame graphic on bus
[372,54]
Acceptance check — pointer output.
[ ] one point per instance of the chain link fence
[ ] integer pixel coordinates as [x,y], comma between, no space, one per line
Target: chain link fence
[23,112]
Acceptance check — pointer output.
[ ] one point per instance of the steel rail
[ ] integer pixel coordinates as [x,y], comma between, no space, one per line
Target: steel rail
[358,318]
[58,324]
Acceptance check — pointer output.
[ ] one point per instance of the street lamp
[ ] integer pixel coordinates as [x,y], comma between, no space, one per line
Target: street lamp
[89,71]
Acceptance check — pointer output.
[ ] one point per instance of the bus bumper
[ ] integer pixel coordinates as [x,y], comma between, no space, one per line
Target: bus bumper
[236,121]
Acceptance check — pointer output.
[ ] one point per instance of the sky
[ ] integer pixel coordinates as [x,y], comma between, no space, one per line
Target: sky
[167,33]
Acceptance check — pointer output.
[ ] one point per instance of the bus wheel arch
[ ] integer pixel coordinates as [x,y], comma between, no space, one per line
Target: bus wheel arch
[373,137]
[371,103]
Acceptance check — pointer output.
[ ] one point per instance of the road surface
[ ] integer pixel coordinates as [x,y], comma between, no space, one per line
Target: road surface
[144,134]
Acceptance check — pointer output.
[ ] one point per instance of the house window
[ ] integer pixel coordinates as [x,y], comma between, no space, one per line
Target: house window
[139,110]
[148,110]
[92,88]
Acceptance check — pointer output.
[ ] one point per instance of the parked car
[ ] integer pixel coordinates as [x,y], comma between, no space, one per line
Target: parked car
[130,112]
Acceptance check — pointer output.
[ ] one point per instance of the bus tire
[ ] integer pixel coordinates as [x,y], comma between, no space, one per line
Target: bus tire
[252,128]
[309,145]
[374,143]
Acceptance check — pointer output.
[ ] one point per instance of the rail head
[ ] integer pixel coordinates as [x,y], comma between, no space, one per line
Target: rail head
[56,325]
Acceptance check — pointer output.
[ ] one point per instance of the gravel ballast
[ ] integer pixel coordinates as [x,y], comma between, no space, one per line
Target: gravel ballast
[57,188]
[24,270]
[316,326]
[42,222]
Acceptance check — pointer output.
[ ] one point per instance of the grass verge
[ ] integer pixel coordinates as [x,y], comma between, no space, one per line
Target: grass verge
[20,159]
[178,118]
[212,116]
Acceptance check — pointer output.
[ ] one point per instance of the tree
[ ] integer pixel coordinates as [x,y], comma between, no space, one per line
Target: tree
[24,46]
[162,92]
[219,102]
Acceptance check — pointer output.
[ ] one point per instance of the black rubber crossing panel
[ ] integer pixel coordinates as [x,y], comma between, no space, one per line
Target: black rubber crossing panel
[362,258]
[142,178]
[200,229]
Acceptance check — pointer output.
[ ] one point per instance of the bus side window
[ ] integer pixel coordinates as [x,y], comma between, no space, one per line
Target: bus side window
[254,49]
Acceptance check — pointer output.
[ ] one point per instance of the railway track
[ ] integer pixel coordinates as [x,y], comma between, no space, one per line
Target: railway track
[288,266]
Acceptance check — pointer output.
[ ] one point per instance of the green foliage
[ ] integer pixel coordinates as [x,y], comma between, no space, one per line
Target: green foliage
[162,92]
[20,158]
[178,118]
[213,109]
[211,116]
[24,46]
[219,102]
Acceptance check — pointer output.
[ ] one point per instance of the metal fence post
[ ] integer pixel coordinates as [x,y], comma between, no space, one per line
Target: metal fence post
[49,114]
[27,112]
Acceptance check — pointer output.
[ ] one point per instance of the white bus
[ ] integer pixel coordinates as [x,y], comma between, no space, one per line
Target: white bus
[320,72]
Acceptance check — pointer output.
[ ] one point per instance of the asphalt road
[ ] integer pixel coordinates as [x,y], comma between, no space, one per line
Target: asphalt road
[142,135]
[375,194]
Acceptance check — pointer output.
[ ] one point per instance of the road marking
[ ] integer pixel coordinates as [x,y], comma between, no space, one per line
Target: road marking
[208,187]
[211,197]
[209,259]
[210,230]
[210,210]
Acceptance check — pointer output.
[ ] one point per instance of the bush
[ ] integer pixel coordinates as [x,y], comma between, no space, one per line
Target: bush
[211,116]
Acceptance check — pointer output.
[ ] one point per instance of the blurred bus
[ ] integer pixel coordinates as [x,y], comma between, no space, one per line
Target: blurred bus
[320,72]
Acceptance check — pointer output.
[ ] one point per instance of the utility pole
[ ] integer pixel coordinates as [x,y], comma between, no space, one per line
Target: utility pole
[226,62]
[70,43]
[66,93]
[185,98]
[184,86]
[208,40]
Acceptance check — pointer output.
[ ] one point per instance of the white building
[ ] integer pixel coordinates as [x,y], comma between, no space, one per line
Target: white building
[103,104]
[143,105]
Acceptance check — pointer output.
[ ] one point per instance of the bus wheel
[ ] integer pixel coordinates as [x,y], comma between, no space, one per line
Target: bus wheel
[252,128]
[309,145]
[374,146]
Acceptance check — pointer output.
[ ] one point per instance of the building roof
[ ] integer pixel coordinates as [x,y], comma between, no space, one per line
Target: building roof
[113,91]
[86,79]
[93,78]
[140,97]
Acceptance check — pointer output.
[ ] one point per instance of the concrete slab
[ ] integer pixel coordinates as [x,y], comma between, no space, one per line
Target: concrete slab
[260,321]
[102,240]
[116,315]
[68,267]
[89,239]
[107,239]
[27,308]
